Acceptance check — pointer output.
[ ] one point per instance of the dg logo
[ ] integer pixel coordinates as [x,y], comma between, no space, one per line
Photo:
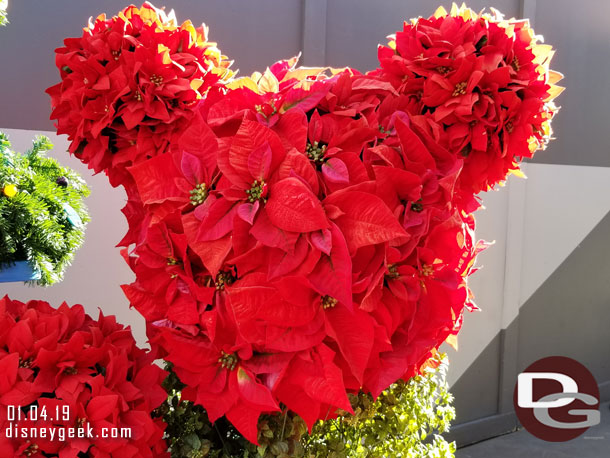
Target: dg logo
[557,399]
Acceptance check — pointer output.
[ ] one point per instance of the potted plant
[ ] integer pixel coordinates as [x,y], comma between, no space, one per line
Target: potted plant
[42,215]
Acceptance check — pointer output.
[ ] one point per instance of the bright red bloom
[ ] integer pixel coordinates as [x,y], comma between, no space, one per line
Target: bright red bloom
[136,73]
[485,79]
[91,371]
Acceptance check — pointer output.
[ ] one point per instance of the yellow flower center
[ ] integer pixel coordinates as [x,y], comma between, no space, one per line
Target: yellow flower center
[71,371]
[328,302]
[316,151]
[171,261]
[223,279]
[25,363]
[460,89]
[417,206]
[257,191]
[198,194]
[157,80]
[31,450]
[228,360]
[427,270]
[392,272]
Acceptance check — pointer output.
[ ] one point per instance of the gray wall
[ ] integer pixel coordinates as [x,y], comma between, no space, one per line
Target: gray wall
[544,288]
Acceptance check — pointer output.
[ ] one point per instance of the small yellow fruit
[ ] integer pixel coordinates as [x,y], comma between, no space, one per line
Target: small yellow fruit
[10,190]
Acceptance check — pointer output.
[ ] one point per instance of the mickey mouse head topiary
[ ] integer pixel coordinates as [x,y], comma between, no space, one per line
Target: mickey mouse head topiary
[305,233]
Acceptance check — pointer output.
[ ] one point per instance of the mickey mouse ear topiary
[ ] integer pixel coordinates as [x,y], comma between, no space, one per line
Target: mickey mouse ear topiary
[130,84]
[482,87]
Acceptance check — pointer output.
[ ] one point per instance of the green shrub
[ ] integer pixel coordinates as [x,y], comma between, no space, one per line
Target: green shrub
[42,215]
[406,421]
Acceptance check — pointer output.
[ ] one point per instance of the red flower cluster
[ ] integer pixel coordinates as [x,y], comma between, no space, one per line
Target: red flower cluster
[309,233]
[480,87]
[60,370]
[129,84]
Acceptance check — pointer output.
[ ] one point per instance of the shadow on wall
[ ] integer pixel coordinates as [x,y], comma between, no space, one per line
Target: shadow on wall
[556,320]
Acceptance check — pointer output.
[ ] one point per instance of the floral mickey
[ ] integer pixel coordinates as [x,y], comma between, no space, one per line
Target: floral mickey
[303,233]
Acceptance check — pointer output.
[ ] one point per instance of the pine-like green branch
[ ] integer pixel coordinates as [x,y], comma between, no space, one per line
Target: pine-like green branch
[42,214]
[3,5]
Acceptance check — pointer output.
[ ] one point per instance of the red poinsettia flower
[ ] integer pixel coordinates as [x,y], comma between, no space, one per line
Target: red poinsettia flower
[61,360]
[334,146]
[179,181]
[137,70]
[219,374]
[465,68]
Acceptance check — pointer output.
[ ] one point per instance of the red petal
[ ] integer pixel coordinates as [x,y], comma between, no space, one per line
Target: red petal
[248,211]
[101,407]
[280,262]
[292,129]
[293,207]
[324,382]
[270,235]
[191,168]
[354,332]
[322,240]
[333,274]
[250,136]
[245,419]
[254,392]
[335,171]
[8,372]
[259,162]
[133,118]
[366,221]
[413,148]
[20,338]
[298,165]
[218,220]
[155,179]
[213,252]
[183,310]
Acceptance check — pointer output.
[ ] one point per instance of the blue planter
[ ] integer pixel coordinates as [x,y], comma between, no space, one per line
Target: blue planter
[19,271]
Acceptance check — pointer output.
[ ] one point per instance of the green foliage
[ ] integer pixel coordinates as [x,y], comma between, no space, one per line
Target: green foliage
[42,214]
[189,432]
[406,421]
[3,5]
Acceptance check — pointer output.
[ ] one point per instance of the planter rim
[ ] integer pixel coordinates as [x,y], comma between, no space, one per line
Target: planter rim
[18,271]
